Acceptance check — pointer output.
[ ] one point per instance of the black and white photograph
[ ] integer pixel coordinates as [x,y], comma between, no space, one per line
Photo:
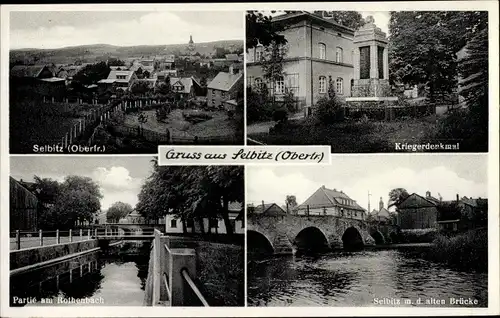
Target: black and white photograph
[124,81]
[123,231]
[394,231]
[368,81]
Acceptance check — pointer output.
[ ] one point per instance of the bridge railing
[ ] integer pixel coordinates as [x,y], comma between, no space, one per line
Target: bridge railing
[174,271]
[116,232]
[28,239]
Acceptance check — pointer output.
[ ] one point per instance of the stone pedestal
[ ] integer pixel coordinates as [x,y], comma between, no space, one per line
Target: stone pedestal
[371,63]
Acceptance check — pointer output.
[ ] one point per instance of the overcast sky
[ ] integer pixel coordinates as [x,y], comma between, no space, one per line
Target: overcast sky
[56,29]
[120,178]
[356,175]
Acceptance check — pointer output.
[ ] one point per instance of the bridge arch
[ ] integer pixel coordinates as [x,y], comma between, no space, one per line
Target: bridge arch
[378,237]
[311,239]
[258,243]
[352,239]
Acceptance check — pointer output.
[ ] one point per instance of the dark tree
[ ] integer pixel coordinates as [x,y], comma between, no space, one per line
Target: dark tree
[261,30]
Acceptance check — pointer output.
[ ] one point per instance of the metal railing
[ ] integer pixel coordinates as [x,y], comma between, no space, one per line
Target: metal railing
[28,239]
[174,272]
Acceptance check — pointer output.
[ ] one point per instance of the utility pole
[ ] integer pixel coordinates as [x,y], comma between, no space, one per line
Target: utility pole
[369,194]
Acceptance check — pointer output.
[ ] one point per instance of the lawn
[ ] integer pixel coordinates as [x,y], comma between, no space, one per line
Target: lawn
[349,136]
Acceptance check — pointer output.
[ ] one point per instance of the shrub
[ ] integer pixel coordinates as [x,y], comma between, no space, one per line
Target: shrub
[417,235]
[467,250]
[280,115]
[329,110]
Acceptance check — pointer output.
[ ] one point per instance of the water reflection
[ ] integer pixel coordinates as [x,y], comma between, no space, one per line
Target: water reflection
[364,278]
[114,277]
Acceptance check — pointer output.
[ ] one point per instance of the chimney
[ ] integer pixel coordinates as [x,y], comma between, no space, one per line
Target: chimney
[323,187]
[458,198]
[262,205]
[231,69]
[428,194]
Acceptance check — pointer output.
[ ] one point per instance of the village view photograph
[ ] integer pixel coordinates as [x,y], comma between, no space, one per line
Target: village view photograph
[364,82]
[369,231]
[124,82]
[124,231]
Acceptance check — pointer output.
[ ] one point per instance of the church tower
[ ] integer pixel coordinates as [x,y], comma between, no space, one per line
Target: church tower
[380,204]
[190,47]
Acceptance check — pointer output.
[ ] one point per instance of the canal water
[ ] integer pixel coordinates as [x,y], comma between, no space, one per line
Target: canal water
[363,278]
[114,277]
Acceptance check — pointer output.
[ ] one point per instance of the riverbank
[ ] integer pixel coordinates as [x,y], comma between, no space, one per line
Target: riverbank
[466,251]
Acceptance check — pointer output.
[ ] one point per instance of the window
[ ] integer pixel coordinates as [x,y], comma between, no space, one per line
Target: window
[223,94]
[190,223]
[173,223]
[322,85]
[258,83]
[324,211]
[340,85]
[339,58]
[280,86]
[214,223]
[322,51]
[258,55]
[213,101]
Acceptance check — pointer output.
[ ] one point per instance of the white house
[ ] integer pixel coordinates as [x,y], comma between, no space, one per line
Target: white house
[216,225]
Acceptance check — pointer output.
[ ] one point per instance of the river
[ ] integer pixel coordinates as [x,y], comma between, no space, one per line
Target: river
[363,278]
[115,277]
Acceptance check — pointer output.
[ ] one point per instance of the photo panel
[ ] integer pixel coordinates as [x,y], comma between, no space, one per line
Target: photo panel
[368,81]
[369,231]
[124,231]
[119,82]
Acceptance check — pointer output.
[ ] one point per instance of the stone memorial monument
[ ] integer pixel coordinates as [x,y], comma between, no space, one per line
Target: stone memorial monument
[371,65]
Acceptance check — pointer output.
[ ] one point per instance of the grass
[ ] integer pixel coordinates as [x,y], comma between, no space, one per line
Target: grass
[221,273]
[351,135]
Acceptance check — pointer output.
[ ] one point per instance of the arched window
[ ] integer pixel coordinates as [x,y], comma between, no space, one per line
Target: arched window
[339,58]
[340,85]
[280,86]
[258,83]
[322,85]
[322,50]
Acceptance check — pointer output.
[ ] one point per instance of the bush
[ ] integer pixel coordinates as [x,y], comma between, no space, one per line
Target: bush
[280,115]
[329,110]
[417,235]
[467,250]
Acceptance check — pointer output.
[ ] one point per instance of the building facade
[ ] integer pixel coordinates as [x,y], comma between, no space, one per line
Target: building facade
[331,202]
[319,52]
[417,212]
[222,88]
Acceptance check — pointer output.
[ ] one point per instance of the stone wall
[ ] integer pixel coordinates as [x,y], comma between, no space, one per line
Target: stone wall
[31,256]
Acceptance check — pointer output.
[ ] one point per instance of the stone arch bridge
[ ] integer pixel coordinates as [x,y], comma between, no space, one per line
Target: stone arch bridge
[290,233]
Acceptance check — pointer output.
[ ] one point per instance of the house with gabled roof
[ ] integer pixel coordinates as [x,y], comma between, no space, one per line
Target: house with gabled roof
[335,202]
[187,87]
[418,212]
[121,79]
[268,209]
[223,87]
[382,214]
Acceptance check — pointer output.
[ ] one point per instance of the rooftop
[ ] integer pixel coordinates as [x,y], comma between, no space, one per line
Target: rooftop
[224,81]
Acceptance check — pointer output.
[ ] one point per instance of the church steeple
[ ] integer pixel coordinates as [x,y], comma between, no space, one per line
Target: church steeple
[191,39]
[380,204]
